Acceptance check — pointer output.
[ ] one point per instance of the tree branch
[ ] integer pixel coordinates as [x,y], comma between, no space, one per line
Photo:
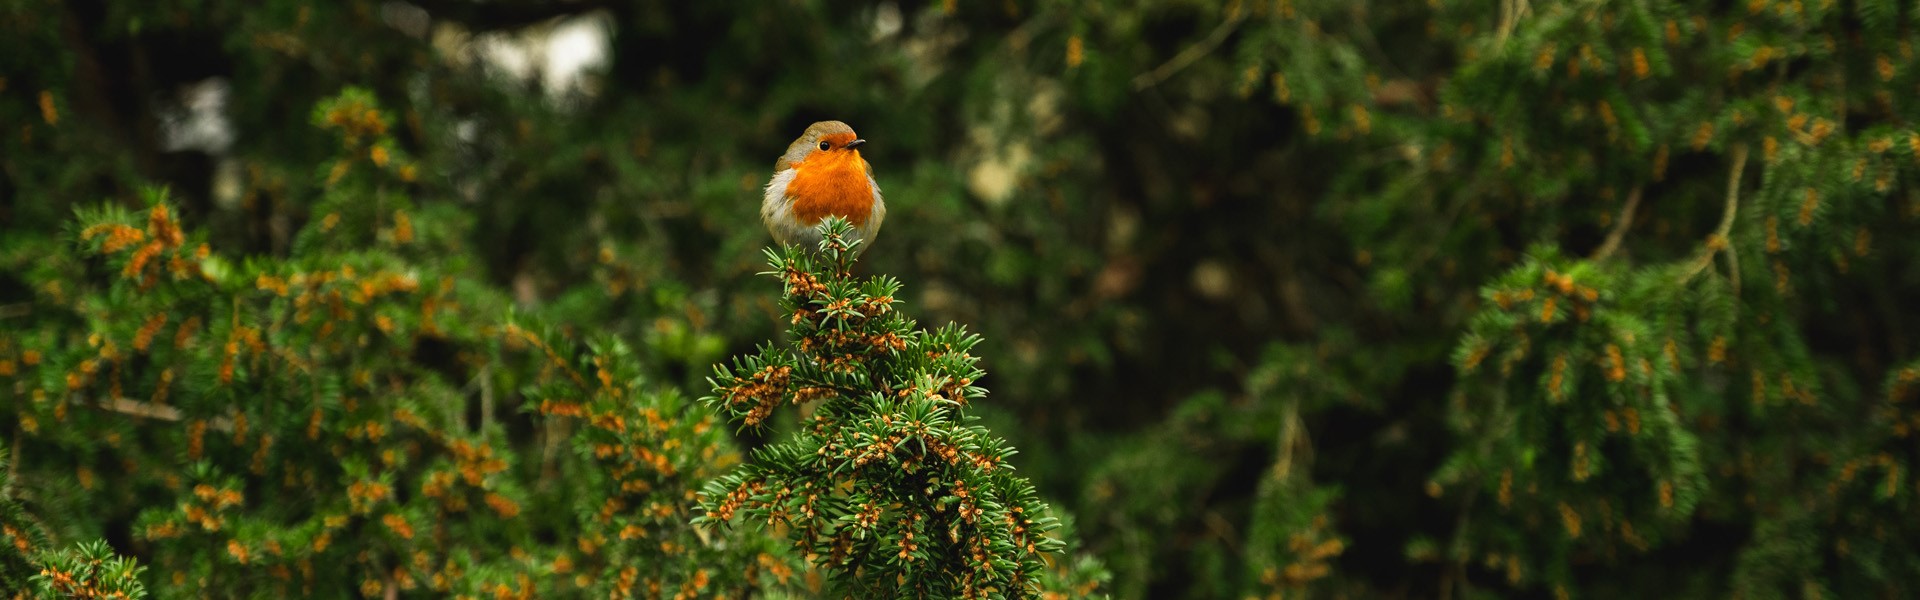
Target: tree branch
[1718,240]
[1510,13]
[1186,57]
[1619,227]
[1289,430]
[136,408]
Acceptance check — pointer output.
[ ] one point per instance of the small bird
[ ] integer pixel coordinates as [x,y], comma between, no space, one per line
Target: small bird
[822,175]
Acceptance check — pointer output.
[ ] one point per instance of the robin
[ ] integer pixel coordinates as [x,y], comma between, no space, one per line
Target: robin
[822,175]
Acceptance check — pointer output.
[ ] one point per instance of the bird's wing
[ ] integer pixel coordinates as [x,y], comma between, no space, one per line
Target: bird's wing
[793,154]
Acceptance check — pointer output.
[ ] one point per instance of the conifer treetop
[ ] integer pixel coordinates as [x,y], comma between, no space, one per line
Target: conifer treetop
[887,485]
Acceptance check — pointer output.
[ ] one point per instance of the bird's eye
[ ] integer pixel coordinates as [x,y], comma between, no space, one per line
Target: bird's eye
[824,145]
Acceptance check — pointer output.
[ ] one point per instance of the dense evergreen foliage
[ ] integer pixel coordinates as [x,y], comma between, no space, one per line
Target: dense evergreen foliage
[885,485]
[1441,299]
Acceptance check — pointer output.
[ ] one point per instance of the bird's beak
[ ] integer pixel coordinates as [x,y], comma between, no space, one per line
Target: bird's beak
[855,144]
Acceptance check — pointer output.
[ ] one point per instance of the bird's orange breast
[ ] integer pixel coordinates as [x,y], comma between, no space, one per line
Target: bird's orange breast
[831,183]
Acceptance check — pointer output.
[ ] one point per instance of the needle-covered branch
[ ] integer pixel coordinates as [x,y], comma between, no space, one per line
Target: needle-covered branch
[888,485]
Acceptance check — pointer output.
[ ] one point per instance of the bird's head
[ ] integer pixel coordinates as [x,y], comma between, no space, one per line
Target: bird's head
[825,141]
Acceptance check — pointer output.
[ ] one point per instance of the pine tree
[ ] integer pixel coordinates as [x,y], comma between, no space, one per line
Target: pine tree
[28,565]
[344,420]
[1662,240]
[90,571]
[1570,389]
[887,484]
[21,539]
[643,451]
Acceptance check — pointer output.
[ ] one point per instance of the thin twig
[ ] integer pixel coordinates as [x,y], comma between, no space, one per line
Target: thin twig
[1289,428]
[1510,18]
[131,407]
[1223,530]
[136,408]
[1733,191]
[1186,57]
[1364,33]
[1510,13]
[484,382]
[1718,241]
[1506,21]
[1619,227]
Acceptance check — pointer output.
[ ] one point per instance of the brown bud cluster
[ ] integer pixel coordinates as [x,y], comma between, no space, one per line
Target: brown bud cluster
[764,389]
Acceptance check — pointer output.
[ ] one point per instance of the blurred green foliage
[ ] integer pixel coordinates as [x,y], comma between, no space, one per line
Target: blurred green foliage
[1298,296]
